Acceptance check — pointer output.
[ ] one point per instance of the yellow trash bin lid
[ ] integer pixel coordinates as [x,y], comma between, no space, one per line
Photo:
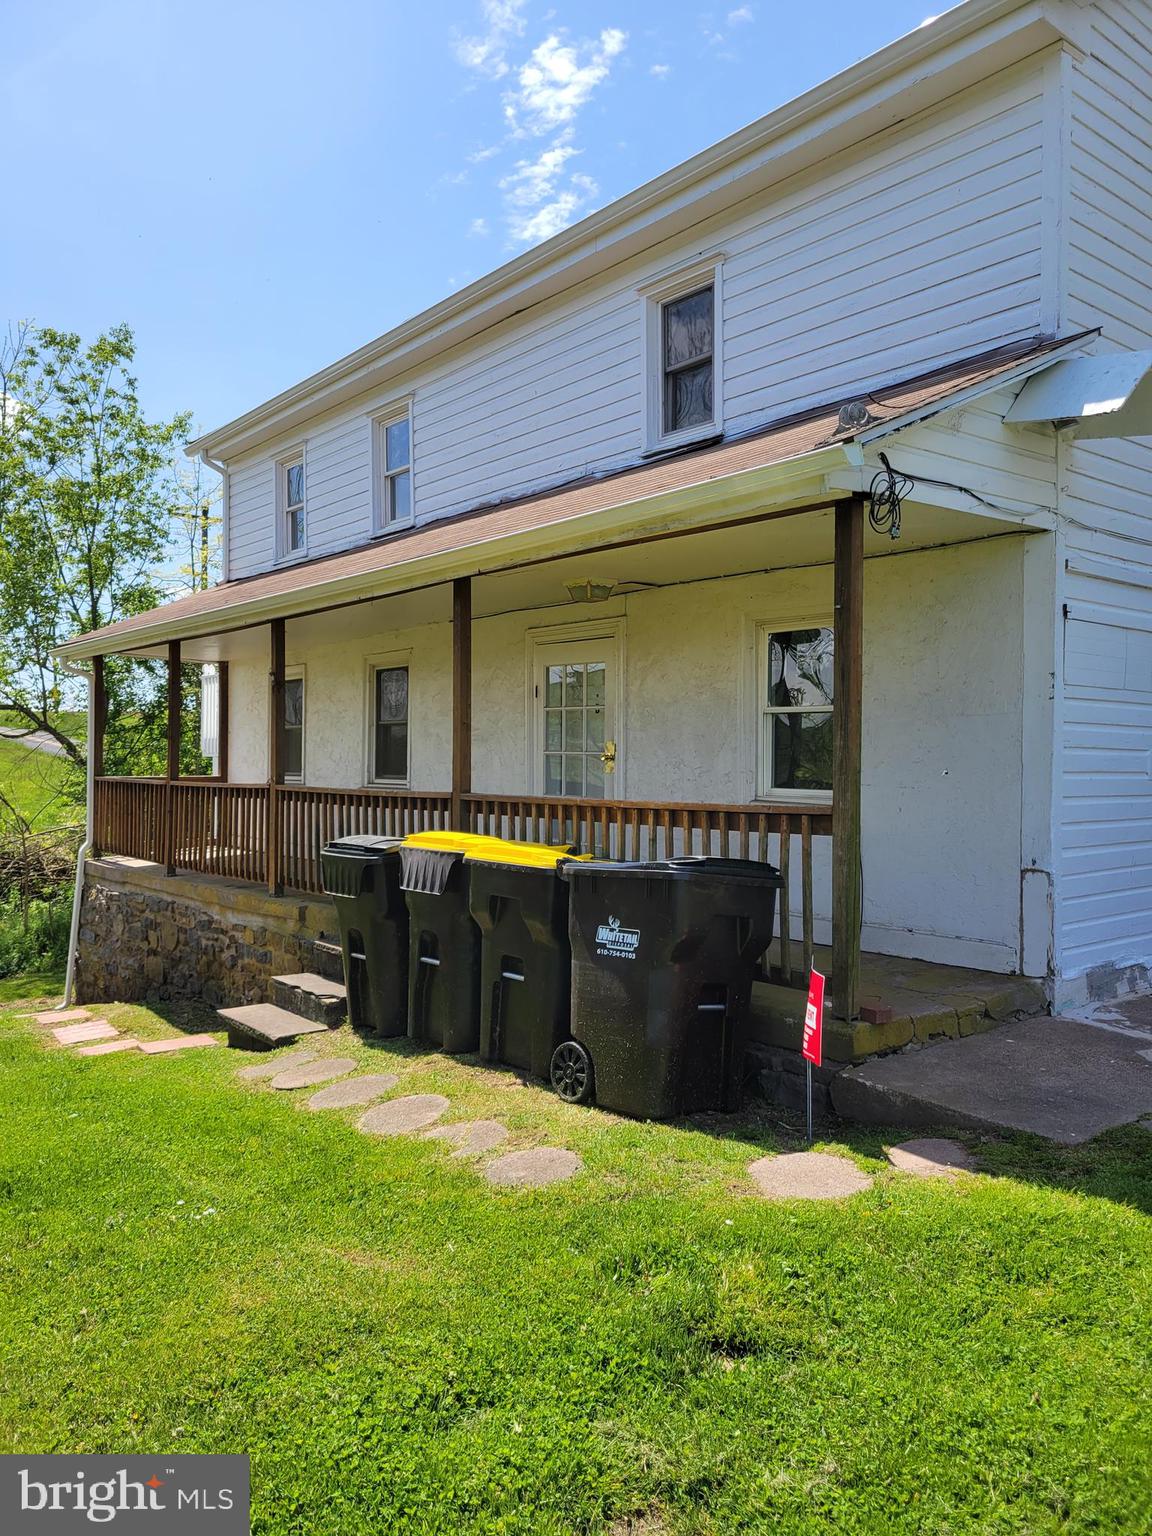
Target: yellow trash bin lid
[525,855]
[481,845]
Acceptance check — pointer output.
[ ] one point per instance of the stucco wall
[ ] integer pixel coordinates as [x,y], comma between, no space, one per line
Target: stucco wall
[943,691]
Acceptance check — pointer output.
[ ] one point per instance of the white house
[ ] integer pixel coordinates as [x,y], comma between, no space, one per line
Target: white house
[603,544]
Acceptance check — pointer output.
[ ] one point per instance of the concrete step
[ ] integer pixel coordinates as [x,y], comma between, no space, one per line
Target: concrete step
[314,997]
[261,1026]
[328,960]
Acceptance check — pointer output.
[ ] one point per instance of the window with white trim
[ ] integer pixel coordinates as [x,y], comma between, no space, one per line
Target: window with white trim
[393,458]
[796,701]
[388,743]
[293,533]
[683,345]
[293,730]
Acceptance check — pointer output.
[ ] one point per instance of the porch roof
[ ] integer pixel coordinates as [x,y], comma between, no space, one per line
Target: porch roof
[775,462]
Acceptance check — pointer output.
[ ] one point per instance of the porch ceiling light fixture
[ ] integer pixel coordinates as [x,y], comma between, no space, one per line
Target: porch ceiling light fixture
[589,591]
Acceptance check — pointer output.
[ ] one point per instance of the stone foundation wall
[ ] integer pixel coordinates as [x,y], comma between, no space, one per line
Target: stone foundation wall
[146,936]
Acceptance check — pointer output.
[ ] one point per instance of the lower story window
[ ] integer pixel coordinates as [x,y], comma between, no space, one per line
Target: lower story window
[796,720]
[294,728]
[390,723]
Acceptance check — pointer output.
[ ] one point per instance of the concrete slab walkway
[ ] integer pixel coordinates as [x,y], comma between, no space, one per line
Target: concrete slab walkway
[1058,1078]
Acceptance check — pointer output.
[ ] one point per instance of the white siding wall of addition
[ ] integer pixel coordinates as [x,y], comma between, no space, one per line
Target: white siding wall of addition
[1104,885]
[943,700]
[925,245]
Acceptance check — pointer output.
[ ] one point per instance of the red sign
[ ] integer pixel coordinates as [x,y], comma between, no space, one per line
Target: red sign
[813,1046]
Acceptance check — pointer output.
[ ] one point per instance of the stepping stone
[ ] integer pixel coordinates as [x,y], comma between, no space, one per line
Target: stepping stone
[59,1016]
[354,1090]
[276,1064]
[932,1157]
[79,1034]
[533,1168]
[181,1043]
[470,1137]
[107,1048]
[808,1176]
[400,1116]
[264,1025]
[315,1072]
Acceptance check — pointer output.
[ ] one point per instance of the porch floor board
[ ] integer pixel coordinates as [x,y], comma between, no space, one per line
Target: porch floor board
[901,1001]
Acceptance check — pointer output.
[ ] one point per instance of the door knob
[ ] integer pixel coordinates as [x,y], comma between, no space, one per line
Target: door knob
[608,757]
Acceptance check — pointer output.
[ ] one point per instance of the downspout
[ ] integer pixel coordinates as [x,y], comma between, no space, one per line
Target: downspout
[89,824]
[225,514]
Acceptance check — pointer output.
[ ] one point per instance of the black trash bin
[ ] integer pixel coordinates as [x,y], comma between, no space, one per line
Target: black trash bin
[663,958]
[443,949]
[362,876]
[520,906]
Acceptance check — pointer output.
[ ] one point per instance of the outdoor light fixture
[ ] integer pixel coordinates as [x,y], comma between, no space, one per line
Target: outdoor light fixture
[590,591]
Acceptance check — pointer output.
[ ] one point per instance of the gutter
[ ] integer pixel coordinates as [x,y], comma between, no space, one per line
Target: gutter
[86,845]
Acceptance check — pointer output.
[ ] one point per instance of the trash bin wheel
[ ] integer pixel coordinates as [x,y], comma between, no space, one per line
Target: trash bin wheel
[572,1072]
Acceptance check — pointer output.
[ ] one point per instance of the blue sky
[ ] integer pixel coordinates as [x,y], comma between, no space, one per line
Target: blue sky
[257,189]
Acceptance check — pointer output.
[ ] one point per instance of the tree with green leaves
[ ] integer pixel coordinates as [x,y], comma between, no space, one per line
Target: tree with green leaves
[87,500]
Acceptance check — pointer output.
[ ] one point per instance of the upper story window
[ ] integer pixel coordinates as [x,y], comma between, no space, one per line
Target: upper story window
[796,687]
[293,533]
[393,459]
[687,328]
[683,377]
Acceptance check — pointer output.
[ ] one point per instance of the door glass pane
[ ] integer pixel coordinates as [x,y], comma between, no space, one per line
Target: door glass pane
[688,398]
[595,682]
[553,776]
[802,751]
[573,775]
[595,778]
[554,687]
[800,669]
[553,729]
[594,731]
[293,701]
[573,685]
[574,730]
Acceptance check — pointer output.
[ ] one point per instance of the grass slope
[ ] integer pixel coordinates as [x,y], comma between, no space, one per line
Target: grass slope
[32,781]
[195,1264]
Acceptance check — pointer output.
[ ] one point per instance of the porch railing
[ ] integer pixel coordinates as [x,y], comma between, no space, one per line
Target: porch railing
[208,827]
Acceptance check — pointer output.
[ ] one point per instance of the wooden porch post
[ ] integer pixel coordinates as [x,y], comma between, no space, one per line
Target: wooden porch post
[175,701]
[96,745]
[222,721]
[275,754]
[461,699]
[846,734]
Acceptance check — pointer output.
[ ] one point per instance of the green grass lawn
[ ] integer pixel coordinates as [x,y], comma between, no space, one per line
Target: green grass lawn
[32,781]
[196,1264]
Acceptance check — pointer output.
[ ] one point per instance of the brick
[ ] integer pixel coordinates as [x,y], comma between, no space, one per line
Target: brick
[80,1034]
[182,1043]
[107,1048]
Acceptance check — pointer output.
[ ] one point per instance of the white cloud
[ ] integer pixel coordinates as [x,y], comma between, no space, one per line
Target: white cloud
[479,228]
[661,71]
[558,79]
[488,53]
[542,196]
[741,14]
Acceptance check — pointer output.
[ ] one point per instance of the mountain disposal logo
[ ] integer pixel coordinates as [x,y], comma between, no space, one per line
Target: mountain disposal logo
[615,942]
[57,1495]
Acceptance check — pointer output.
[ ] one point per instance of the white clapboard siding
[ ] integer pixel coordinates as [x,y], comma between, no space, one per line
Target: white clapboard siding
[922,246]
[1104,810]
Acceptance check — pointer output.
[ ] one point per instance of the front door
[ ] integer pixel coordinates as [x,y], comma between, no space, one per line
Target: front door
[577,749]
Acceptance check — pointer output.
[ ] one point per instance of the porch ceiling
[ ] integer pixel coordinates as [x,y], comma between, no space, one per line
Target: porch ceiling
[778,544]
